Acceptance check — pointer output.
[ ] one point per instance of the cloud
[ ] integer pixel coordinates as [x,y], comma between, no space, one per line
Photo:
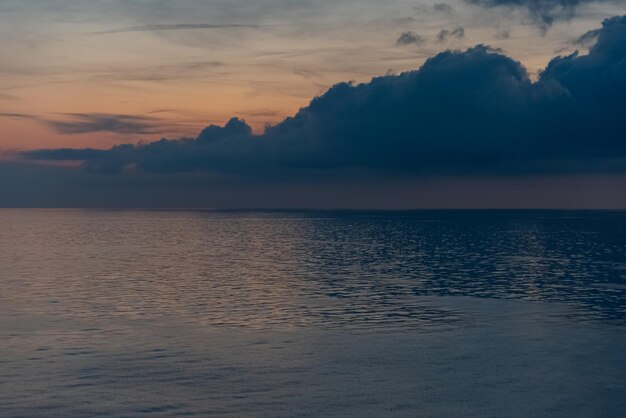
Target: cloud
[541,12]
[472,112]
[445,34]
[410,38]
[443,8]
[39,185]
[587,38]
[262,113]
[157,73]
[80,123]
[403,20]
[13,115]
[175,26]
[503,34]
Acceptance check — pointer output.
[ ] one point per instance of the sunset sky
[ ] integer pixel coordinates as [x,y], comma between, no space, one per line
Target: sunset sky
[95,74]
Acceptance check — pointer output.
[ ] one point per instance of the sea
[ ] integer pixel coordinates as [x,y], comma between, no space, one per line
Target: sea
[214,313]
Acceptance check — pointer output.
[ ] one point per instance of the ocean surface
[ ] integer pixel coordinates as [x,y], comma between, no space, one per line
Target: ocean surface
[312,314]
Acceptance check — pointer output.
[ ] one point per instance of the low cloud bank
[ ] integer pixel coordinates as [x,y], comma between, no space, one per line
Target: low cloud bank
[462,112]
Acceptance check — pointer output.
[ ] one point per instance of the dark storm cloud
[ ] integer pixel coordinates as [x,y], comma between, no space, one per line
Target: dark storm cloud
[410,38]
[445,34]
[542,12]
[469,112]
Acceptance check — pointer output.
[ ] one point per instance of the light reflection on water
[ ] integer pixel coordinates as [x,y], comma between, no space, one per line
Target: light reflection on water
[302,269]
[258,307]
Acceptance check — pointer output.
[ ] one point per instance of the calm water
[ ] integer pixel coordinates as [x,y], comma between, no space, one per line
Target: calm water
[307,314]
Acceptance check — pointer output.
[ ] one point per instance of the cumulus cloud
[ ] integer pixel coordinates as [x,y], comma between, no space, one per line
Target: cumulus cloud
[410,38]
[463,112]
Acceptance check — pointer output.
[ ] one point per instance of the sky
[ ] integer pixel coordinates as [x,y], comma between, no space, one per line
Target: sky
[313,103]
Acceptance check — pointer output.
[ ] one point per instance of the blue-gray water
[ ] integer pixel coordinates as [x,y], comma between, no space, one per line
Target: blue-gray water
[308,314]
